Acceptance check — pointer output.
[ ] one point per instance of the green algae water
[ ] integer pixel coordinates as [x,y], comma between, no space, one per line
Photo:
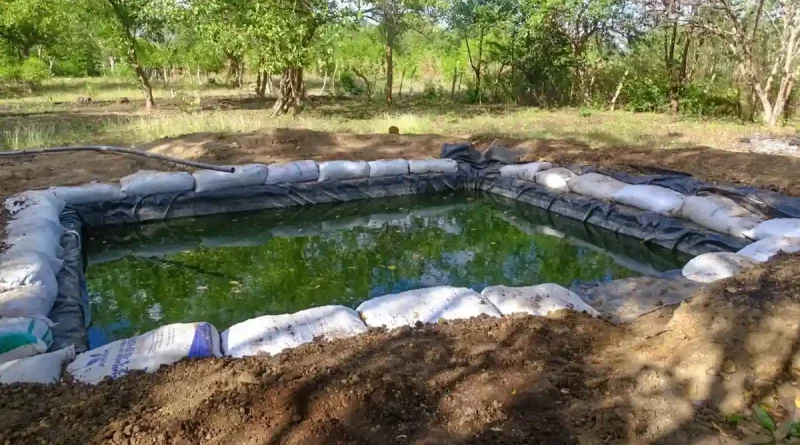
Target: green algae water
[229,268]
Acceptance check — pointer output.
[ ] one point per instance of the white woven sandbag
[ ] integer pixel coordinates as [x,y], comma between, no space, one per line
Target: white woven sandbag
[650,197]
[768,248]
[292,172]
[538,300]
[23,226]
[33,301]
[595,185]
[44,368]
[526,172]
[785,227]
[555,179]
[19,269]
[89,193]
[388,167]
[151,182]
[422,166]
[23,337]
[45,203]
[715,266]
[147,352]
[242,176]
[272,334]
[38,235]
[427,305]
[334,170]
[720,214]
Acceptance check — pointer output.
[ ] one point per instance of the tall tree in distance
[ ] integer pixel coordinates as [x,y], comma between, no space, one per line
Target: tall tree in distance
[394,17]
[131,20]
[474,20]
[763,36]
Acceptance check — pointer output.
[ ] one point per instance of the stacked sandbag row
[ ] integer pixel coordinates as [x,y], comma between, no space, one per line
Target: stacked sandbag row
[714,212]
[271,334]
[146,183]
[28,287]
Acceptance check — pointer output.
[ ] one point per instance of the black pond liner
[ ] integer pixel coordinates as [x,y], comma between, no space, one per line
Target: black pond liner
[477,172]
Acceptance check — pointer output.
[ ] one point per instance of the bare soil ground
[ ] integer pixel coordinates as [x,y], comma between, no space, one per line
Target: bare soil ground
[567,379]
[779,173]
[669,378]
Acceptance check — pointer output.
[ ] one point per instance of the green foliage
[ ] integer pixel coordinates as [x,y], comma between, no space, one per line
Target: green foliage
[432,90]
[33,71]
[764,418]
[546,53]
[347,82]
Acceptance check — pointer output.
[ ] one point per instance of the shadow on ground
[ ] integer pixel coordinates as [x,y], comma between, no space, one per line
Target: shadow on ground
[669,378]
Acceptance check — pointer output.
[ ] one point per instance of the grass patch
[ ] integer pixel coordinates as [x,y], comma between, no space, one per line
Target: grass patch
[42,120]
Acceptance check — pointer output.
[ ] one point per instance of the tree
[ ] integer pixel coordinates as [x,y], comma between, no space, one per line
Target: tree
[132,20]
[394,18]
[675,23]
[762,56]
[582,21]
[24,24]
[474,20]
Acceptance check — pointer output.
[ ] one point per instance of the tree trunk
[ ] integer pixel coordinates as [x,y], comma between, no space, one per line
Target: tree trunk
[367,85]
[674,98]
[291,93]
[258,85]
[333,78]
[453,86]
[149,103]
[270,88]
[266,82]
[476,67]
[619,90]
[389,68]
[324,83]
[402,79]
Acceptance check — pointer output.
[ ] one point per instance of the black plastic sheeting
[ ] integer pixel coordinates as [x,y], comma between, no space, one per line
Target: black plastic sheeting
[477,171]
[650,228]
[768,203]
[645,258]
[71,312]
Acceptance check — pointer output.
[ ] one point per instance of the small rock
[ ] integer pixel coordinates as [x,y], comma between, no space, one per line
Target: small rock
[729,366]
[247,378]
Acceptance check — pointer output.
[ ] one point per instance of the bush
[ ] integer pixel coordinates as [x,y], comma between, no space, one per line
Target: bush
[431,90]
[702,101]
[347,82]
[33,71]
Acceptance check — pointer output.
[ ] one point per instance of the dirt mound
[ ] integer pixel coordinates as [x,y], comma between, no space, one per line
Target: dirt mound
[488,380]
[770,172]
[563,380]
[278,145]
[568,379]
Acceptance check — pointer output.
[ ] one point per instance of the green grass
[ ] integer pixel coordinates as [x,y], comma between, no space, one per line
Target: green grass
[39,121]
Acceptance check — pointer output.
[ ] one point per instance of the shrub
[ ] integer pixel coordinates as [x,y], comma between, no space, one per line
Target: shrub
[347,82]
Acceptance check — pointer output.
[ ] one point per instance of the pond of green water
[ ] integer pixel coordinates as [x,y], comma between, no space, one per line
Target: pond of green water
[229,268]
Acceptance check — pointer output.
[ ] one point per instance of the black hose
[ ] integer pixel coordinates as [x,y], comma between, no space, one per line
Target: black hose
[109,149]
